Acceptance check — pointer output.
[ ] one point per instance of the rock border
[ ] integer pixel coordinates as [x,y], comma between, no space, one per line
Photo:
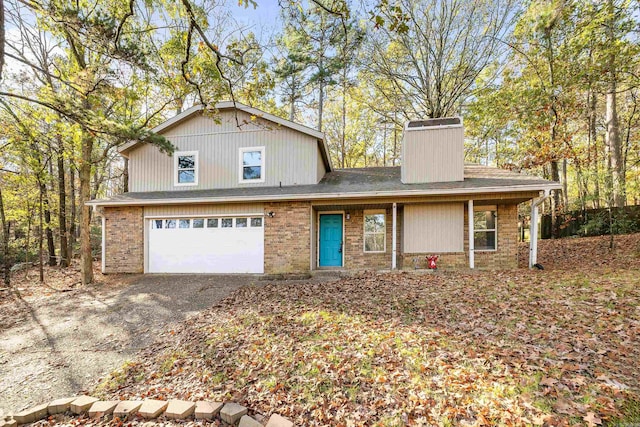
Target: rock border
[230,413]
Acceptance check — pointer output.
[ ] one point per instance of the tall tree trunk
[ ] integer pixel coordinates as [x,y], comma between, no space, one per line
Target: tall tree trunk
[593,148]
[4,245]
[51,247]
[73,233]
[565,186]
[1,37]
[343,142]
[555,205]
[86,258]
[320,105]
[125,176]
[40,240]
[613,128]
[62,207]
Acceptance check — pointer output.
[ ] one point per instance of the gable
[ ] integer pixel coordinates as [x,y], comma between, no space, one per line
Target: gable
[289,157]
[230,117]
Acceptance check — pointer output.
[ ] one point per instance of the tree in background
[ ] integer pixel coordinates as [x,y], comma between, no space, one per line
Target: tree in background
[433,60]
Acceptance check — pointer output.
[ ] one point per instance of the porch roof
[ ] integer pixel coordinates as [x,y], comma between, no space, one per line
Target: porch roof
[346,184]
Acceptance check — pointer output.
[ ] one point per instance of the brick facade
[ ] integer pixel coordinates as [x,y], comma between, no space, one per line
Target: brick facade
[124,240]
[287,237]
[504,257]
[288,241]
[355,258]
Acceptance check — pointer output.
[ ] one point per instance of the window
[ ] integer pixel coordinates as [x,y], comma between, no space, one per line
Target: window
[170,223]
[374,232]
[186,168]
[212,223]
[184,223]
[484,229]
[252,164]
[227,222]
[156,223]
[256,222]
[198,223]
[241,222]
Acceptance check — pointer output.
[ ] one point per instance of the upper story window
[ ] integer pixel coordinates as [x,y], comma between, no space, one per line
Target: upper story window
[252,164]
[485,228]
[186,168]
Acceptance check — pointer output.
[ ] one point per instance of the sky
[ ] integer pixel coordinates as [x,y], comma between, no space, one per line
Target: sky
[264,18]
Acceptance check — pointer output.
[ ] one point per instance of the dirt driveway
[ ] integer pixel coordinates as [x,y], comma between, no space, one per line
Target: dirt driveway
[63,341]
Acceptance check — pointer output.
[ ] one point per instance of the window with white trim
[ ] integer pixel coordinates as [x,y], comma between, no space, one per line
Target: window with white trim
[485,229]
[186,168]
[375,231]
[251,164]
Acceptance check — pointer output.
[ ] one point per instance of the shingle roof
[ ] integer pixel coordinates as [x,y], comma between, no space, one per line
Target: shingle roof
[346,183]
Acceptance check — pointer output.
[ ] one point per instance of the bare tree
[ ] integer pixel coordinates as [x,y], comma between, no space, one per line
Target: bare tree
[433,57]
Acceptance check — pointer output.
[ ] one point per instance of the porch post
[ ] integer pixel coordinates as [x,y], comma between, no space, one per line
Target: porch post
[394,229]
[533,233]
[471,236]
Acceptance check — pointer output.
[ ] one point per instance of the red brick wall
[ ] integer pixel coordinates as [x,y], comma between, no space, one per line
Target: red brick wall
[124,245]
[287,237]
[355,258]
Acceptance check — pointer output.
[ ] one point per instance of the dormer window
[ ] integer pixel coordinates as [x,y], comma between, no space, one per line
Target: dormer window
[251,164]
[186,168]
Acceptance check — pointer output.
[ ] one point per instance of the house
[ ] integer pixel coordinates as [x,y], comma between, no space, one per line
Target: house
[249,192]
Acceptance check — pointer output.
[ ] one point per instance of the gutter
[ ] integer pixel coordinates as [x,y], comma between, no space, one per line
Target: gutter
[324,196]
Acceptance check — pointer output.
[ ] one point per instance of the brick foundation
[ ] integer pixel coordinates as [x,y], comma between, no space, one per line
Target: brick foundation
[124,240]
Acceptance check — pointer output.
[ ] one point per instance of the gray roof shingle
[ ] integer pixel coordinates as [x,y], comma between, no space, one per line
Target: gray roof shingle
[343,182]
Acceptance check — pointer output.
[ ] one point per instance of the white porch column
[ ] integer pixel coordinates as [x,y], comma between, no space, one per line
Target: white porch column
[394,229]
[533,233]
[472,260]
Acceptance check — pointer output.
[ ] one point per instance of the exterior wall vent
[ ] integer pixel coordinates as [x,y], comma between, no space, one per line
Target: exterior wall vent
[433,151]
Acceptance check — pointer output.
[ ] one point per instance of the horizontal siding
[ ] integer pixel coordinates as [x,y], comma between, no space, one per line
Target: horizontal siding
[185,210]
[320,168]
[435,227]
[433,155]
[290,156]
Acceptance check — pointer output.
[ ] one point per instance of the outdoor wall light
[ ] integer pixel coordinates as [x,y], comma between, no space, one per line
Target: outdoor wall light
[348,216]
[271,214]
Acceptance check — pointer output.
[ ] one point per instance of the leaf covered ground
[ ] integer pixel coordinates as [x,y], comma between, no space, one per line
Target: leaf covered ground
[553,347]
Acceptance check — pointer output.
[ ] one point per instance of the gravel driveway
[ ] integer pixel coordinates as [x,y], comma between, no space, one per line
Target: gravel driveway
[68,340]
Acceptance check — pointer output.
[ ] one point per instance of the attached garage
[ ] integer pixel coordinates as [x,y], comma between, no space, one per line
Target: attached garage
[221,244]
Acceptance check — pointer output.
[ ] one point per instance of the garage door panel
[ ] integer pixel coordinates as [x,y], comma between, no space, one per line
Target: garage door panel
[206,250]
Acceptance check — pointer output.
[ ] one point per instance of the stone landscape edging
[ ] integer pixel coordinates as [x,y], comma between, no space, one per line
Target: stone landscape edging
[230,413]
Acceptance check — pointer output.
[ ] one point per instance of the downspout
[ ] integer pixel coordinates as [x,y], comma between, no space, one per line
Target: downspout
[533,228]
[393,236]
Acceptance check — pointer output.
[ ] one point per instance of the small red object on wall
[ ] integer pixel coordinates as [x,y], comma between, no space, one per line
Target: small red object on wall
[431,259]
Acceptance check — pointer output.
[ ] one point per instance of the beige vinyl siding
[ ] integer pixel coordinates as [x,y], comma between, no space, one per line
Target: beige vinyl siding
[202,210]
[290,156]
[320,169]
[433,155]
[433,227]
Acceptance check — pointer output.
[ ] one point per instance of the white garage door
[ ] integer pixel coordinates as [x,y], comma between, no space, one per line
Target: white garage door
[206,245]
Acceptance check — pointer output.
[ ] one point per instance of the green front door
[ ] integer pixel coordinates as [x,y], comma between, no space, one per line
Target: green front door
[330,240]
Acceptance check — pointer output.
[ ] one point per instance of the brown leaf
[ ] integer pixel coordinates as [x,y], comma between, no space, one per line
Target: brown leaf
[592,419]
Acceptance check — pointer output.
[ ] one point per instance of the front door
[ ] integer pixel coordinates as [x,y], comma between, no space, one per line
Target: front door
[330,240]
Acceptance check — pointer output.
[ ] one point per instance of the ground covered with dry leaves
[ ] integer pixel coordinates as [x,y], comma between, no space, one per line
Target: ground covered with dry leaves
[553,347]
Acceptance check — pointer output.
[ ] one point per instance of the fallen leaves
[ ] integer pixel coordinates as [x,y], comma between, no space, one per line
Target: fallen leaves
[550,347]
